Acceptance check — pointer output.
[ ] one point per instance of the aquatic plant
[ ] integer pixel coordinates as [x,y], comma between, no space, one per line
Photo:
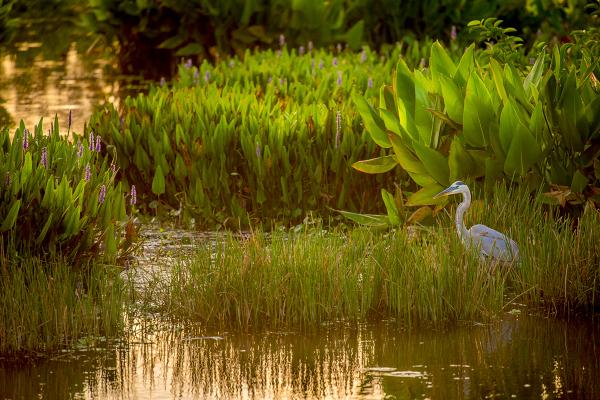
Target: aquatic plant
[466,119]
[49,305]
[49,201]
[241,147]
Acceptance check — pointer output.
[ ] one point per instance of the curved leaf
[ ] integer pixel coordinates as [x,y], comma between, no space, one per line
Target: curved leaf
[376,165]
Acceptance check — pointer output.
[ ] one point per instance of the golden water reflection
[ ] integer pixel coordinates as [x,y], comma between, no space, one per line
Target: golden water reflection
[49,72]
[523,358]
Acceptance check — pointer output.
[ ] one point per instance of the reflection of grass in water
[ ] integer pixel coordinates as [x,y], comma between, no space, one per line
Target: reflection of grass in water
[48,305]
[310,278]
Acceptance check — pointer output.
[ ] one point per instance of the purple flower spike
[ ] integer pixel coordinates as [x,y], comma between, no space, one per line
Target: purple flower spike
[102,194]
[258,150]
[453,33]
[339,47]
[206,76]
[301,50]
[133,199]
[98,144]
[92,143]
[79,149]
[370,83]
[339,78]
[88,173]
[334,62]
[196,74]
[188,63]
[363,56]
[310,46]
[282,40]
[45,157]
[320,64]
[163,81]
[25,139]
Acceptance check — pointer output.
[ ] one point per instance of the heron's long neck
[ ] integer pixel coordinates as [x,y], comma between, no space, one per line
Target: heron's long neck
[460,212]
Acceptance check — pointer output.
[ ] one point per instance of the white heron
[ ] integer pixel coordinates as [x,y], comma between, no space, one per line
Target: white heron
[490,243]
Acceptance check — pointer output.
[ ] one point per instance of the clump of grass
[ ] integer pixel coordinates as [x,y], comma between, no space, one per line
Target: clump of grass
[45,306]
[310,278]
[416,275]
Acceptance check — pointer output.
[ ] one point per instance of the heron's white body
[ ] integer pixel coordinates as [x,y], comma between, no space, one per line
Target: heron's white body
[490,243]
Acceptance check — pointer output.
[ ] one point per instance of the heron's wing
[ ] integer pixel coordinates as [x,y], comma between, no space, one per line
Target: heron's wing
[492,243]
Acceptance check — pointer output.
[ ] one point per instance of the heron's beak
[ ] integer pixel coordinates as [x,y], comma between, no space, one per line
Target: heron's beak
[444,192]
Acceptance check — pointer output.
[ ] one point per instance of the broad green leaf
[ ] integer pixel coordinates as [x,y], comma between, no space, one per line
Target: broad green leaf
[498,78]
[440,63]
[579,182]
[404,92]
[354,35]
[464,68]
[373,123]
[460,162]
[11,217]
[404,156]
[391,121]
[535,75]
[390,206]
[158,182]
[424,197]
[493,170]
[27,167]
[190,50]
[524,152]
[435,163]
[478,112]
[376,165]
[373,220]
[453,99]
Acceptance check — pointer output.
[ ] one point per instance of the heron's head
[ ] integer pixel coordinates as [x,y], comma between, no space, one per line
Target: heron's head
[456,187]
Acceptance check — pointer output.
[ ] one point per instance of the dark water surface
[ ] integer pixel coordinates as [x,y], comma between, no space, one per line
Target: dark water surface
[54,67]
[520,357]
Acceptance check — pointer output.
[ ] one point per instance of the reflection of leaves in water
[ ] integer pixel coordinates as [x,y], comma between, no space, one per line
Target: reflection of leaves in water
[5,118]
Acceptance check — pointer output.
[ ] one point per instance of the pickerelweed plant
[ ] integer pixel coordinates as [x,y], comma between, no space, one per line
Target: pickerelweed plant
[270,138]
[59,197]
[467,120]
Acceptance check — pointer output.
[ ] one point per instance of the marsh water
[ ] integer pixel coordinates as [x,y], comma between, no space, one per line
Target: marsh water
[519,357]
[53,68]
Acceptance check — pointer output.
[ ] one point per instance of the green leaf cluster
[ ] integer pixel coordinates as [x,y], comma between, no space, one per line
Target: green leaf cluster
[465,119]
[51,200]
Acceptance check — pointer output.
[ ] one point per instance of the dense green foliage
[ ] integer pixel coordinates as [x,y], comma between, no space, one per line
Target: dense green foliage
[468,119]
[58,196]
[272,137]
[208,28]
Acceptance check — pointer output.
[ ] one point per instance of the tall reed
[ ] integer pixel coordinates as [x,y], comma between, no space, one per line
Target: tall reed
[48,305]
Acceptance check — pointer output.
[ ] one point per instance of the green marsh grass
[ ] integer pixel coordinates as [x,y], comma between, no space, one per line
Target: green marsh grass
[45,306]
[416,275]
[309,278]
